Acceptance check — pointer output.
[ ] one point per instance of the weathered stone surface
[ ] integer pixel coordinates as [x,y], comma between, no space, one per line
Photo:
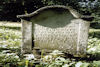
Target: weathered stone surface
[55,28]
[26,36]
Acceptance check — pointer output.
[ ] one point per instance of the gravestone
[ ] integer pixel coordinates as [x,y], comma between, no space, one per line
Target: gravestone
[55,28]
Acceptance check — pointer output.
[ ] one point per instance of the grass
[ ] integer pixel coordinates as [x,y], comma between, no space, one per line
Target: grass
[10,40]
[10,37]
[94,33]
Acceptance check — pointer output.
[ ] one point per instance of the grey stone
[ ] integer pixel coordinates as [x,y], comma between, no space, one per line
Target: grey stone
[55,28]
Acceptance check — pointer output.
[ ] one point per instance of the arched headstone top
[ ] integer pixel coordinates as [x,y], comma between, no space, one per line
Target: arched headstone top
[54,7]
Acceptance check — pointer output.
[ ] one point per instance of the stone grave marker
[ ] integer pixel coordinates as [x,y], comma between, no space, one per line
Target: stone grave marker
[55,28]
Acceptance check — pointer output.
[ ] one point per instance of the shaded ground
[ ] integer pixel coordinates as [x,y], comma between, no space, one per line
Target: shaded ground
[10,56]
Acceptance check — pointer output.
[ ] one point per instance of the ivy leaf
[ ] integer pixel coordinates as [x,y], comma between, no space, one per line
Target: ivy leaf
[97,63]
[85,65]
[78,64]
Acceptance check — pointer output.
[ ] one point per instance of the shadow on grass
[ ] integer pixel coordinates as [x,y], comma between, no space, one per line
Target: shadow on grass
[92,57]
[95,33]
[95,25]
[88,57]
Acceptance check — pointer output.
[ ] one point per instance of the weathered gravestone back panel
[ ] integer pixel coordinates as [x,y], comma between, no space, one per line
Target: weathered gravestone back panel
[55,28]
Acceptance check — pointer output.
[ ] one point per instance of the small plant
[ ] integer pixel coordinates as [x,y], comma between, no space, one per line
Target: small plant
[10,56]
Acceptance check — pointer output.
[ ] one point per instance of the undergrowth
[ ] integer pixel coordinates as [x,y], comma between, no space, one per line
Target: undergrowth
[10,56]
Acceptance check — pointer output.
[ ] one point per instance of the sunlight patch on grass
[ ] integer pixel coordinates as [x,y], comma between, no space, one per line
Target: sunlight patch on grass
[10,24]
[10,38]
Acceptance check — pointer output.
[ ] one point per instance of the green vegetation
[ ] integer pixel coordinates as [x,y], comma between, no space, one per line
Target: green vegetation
[10,35]
[10,8]
[10,56]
